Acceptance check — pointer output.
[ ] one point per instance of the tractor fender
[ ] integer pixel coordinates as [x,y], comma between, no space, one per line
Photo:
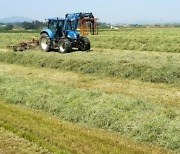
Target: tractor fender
[48,32]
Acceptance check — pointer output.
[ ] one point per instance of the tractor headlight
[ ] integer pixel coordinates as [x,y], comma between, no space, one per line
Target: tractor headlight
[72,36]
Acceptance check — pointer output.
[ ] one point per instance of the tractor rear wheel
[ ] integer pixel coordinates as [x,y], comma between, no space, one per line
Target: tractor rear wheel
[84,44]
[45,42]
[64,46]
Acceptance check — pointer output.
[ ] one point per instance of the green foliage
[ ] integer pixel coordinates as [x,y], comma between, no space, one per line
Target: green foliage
[33,25]
[6,28]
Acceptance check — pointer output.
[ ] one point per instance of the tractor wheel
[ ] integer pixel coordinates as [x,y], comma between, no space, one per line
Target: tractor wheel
[45,42]
[84,44]
[64,46]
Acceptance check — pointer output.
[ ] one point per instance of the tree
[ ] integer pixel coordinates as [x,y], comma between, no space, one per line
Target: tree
[10,27]
[33,25]
[28,25]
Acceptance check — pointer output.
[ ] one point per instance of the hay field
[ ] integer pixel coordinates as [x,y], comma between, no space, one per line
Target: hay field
[123,96]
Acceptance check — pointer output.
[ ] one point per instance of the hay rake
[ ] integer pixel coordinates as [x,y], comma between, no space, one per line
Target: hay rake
[31,44]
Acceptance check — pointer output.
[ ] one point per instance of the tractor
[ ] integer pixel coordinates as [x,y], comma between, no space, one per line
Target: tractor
[62,34]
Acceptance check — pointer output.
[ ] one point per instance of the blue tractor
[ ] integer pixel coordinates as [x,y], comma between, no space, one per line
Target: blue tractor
[62,34]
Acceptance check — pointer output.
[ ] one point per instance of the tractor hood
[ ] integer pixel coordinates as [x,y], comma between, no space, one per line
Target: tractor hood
[72,34]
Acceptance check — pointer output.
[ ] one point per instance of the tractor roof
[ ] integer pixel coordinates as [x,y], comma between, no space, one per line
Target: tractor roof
[55,19]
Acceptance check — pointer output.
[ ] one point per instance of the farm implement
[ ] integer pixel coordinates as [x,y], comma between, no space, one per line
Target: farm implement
[64,34]
[31,44]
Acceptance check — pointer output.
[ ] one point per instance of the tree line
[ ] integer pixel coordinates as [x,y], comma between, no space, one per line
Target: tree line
[35,25]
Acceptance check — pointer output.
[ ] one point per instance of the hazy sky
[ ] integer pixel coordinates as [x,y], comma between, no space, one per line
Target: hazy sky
[114,11]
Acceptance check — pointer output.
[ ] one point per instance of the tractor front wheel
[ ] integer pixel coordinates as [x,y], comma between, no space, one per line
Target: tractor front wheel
[84,44]
[45,42]
[64,46]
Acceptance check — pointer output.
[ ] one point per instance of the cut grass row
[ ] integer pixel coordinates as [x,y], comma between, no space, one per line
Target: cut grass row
[139,120]
[156,93]
[11,143]
[58,136]
[140,39]
[137,39]
[149,67]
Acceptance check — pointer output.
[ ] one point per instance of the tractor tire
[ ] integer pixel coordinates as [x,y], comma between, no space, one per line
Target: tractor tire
[45,42]
[64,46]
[84,44]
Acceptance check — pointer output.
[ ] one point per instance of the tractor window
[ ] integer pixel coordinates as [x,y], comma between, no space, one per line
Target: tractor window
[69,27]
[72,25]
[52,25]
[61,23]
[60,27]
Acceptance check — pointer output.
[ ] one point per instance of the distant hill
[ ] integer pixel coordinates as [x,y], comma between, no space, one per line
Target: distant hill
[15,19]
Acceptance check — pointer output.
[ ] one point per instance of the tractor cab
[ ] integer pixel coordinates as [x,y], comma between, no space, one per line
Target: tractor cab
[56,25]
[61,28]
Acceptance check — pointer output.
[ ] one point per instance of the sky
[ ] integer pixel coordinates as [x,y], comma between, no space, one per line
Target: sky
[111,11]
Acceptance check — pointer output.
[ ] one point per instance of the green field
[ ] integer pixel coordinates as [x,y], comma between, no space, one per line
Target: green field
[128,85]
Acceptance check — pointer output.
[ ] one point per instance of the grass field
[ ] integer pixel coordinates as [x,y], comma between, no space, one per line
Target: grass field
[138,39]
[129,85]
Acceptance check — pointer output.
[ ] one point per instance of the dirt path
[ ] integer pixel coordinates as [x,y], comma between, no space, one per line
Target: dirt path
[158,93]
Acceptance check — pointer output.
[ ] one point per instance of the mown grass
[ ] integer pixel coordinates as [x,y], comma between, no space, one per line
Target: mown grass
[58,136]
[15,38]
[141,39]
[135,118]
[11,143]
[149,67]
[137,39]
[139,120]
[157,93]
